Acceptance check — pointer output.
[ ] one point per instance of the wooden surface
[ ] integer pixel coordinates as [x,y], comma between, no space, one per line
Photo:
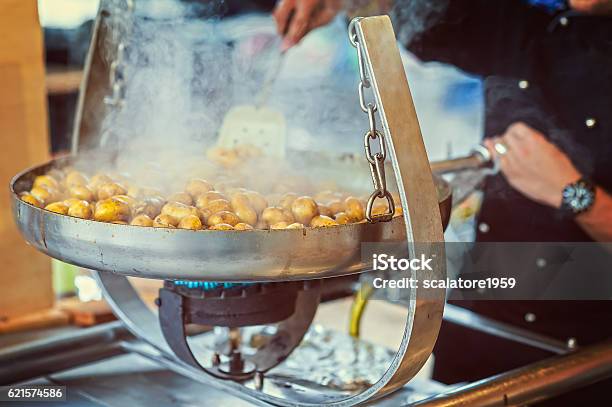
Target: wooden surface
[47,318]
[25,277]
[88,313]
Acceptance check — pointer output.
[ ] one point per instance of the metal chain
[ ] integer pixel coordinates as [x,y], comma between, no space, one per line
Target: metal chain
[376,160]
[117,67]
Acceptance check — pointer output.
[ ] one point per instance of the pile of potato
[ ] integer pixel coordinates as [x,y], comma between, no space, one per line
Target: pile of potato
[199,206]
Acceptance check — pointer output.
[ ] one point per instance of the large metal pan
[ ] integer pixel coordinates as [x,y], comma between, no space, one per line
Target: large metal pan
[259,255]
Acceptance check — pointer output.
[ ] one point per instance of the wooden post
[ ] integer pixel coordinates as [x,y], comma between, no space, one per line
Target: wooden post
[25,276]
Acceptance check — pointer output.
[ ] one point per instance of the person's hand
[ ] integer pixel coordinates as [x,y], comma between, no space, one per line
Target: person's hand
[533,165]
[295,18]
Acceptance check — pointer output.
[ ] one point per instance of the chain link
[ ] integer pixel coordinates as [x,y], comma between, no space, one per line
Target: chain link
[124,9]
[376,160]
[116,78]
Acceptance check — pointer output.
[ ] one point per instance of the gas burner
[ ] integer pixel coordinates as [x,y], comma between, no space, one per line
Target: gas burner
[233,305]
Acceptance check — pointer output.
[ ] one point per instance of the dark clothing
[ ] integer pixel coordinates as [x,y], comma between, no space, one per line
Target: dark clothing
[553,72]
[551,75]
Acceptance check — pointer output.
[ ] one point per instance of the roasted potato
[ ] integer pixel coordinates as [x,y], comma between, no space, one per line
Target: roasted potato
[204,214]
[80,209]
[221,226]
[226,205]
[178,210]
[191,222]
[58,207]
[304,209]
[110,210]
[109,189]
[150,193]
[336,206]
[322,221]
[258,202]
[239,199]
[219,205]
[324,210]
[81,192]
[398,210]
[226,157]
[131,201]
[289,215]
[47,182]
[181,197]
[354,209]
[197,187]
[148,208]
[98,180]
[248,151]
[32,200]
[142,220]
[74,179]
[70,201]
[45,195]
[243,226]
[246,214]
[231,192]
[342,218]
[202,201]
[295,225]
[273,198]
[164,221]
[279,225]
[287,199]
[134,191]
[227,217]
[241,207]
[273,215]
[379,210]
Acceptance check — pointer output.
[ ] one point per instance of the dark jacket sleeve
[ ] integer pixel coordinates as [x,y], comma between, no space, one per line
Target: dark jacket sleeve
[481,37]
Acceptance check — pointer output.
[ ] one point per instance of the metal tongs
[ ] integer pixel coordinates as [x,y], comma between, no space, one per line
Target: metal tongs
[479,158]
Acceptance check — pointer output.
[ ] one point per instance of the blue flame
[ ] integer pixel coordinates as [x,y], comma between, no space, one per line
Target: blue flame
[208,285]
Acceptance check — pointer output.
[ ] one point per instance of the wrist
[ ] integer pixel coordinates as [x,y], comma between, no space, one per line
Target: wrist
[555,196]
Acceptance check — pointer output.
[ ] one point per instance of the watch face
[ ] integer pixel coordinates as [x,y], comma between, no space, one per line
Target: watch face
[579,197]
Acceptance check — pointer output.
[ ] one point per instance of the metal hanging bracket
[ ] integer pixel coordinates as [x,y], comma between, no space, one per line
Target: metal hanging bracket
[381,68]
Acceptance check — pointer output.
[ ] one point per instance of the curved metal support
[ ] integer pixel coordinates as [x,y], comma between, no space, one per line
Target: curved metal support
[129,307]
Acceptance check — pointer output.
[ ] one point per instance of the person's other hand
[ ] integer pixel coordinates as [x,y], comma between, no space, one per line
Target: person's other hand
[295,18]
[533,165]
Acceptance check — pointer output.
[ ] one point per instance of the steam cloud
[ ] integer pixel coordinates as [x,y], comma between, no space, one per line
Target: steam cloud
[413,17]
[184,70]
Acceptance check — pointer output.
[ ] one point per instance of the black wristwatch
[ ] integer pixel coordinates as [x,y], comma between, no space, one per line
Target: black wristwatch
[577,197]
